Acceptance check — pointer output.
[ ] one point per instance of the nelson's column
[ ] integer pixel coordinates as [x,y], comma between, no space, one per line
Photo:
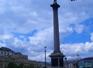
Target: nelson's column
[56,56]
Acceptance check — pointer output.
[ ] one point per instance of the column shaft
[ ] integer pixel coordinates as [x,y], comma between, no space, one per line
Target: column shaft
[56,27]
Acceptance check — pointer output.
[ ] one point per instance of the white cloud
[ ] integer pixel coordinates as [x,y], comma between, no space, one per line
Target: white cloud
[72,49]
[69,18]
[2,45]
[89,46]
[4,37]
[78,6]
[43,38]
[91,37]
[22,14]
[79,28]
[78,48]
[35,48]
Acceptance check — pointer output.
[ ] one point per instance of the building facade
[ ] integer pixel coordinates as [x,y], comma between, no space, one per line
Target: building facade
[7,55]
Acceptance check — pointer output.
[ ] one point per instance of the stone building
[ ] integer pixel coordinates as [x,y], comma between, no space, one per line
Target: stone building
[7,55]
[70,64]
[6,51]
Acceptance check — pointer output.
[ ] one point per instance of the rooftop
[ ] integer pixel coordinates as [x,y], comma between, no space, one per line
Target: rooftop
[9,50]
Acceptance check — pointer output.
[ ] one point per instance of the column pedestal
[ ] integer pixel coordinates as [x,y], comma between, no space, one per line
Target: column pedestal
[57,60]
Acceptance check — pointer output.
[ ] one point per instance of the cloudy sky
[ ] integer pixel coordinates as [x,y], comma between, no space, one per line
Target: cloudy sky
[26,26]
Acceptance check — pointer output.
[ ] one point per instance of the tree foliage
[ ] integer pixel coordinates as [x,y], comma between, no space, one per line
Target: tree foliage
[31,66]
[21,65]
[44,67]
[11,65]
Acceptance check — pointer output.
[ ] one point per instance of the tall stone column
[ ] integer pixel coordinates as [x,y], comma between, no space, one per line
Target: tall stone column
[55,7]
[56,56]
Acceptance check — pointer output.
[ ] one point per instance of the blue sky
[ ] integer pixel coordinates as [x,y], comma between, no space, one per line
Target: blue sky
[26,26]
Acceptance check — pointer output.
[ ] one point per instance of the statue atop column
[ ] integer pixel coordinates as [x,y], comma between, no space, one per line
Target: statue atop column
[55,1]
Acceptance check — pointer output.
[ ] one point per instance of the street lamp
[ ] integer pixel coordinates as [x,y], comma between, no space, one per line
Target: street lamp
[45,56]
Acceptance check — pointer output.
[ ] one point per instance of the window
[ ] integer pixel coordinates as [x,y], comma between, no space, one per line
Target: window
[4,53]
[1,52]
[86,63]
[8,53]
[81,64]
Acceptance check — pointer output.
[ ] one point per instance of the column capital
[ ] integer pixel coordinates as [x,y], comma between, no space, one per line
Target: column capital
[55,5]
